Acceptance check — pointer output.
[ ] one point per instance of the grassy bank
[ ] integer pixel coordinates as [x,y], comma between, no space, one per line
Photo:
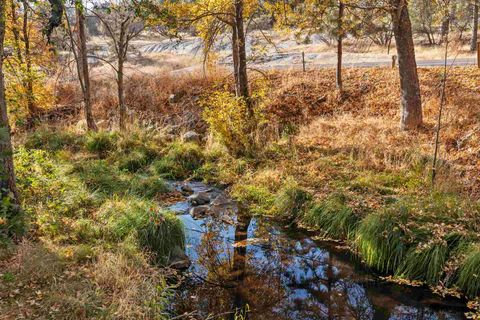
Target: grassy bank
[336,164]
[342,167]
[96,228]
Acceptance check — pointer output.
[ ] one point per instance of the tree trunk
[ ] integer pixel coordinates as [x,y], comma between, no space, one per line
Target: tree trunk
[83,63]
[242,83]
[473,44]
[121,95]
[7,173]
[28,81]
[235,58]
[339,83]
[410,100]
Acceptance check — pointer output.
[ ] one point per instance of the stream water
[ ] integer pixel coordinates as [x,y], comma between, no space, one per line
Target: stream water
[255,268]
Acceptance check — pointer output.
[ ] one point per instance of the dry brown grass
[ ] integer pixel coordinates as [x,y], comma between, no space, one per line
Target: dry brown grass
[365,123]
[43,281]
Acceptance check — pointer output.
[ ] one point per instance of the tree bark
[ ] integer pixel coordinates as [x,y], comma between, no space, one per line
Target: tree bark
[83,63]
[339,82]
[121,95]
[7,173]
[410,100]
[235,58]
[28,81]
[473,44]
[242,83]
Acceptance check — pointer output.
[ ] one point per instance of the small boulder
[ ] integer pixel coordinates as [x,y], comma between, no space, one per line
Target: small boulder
[178,259]
[191,136]
[186,189]
[199,198]
[199,211]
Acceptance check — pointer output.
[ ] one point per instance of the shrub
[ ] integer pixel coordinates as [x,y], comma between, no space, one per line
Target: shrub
[12,219]
[101,142]
[333,217]
[380,240]
[228,120]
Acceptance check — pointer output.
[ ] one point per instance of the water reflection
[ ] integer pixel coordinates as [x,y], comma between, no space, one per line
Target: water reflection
[241,263]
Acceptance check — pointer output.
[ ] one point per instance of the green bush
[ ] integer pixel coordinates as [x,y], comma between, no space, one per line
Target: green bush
[333,217]
[12,220]
[101,142]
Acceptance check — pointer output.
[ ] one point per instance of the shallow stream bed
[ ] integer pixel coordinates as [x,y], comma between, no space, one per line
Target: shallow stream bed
[253,267]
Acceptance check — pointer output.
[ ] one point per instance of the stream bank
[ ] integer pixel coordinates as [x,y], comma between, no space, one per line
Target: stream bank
[247,265]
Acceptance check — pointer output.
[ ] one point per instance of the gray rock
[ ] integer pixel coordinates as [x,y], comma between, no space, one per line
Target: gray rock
[178,259]
[191,136]
[199,211]
[199,198]
[220,200]
[186,189]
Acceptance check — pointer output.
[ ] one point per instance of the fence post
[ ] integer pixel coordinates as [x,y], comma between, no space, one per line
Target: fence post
[394,61]
[303,61]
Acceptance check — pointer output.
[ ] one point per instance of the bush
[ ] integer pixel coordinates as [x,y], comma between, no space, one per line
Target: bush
[12,220]
[101,142]
[227,118]
[333,217]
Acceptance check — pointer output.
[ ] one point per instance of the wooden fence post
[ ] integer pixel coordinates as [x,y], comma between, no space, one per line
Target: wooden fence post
[394,61]
[303,61]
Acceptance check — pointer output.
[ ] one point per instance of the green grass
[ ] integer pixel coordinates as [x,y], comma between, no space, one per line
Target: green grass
[180,160]
[256,199]
[469,271]
[425,263]
[162,234]
[101,142]
[53,140]
[380,240]
[333,217]
[291,201]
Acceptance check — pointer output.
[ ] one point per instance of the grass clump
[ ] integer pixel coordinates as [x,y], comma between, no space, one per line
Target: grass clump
[162,235]
[333,217]
[469,272]
[180,161]
[101,142]
[100,176]
[257,199]
[380,239]
[292,201]
[53,140]
[425,262]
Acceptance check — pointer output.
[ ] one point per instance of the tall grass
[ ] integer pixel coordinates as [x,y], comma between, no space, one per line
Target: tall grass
[469,272]
[333,217]
[380,240]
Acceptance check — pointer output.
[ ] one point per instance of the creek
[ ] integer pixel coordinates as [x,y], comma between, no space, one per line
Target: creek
[251,267]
